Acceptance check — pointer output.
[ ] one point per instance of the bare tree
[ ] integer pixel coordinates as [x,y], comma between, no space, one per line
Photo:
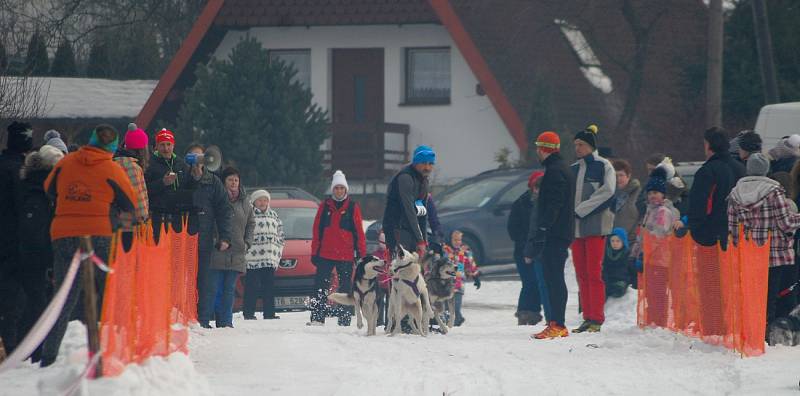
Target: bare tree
[22,97]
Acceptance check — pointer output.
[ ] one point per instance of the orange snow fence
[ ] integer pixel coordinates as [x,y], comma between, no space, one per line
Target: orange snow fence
[150,298]
[719,296]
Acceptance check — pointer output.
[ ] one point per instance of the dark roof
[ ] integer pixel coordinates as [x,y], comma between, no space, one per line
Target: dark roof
[246,13]
[518,53]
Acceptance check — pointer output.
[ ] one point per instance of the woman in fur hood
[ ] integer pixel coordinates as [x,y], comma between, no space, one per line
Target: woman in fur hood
[35,212]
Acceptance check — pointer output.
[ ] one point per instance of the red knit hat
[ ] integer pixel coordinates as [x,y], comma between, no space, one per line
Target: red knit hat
[165,136]
[536,175]
[549,142]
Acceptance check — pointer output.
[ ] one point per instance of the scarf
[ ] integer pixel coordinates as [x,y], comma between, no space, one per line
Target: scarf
[233,195]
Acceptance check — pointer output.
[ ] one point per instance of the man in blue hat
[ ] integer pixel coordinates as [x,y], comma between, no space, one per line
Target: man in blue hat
[405,219]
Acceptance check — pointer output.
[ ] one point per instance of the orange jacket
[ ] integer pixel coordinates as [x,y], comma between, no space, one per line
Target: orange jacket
[89,190]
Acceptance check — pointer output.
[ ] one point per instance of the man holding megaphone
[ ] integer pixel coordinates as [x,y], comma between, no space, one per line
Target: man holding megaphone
[170,183]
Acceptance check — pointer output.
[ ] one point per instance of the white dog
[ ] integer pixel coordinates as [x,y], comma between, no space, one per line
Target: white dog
[409,295]
[363,296]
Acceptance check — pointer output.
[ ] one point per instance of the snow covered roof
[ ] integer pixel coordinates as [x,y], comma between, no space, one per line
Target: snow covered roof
[92,97]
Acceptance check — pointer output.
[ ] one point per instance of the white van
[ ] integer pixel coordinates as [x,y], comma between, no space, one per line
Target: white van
[776,121]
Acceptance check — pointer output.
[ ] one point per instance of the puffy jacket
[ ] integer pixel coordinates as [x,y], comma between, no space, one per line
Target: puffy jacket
[89,190]
[338,231]
[242,225]
[404,189]
[35,213]
[626,213]
[555,210]
[708,206]
[174,198]
[521,218]
[212,214]
[595,185]
[10,163]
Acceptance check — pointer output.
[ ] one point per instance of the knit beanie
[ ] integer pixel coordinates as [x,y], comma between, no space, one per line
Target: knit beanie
[588,135]
[136,138]
[757,165]
[111,147]
[53,138]
[549,142]
[339,180]
[658,180]
[750,142]
[259,194]
[165,135]
[20,137]
[536,175]
[424,155]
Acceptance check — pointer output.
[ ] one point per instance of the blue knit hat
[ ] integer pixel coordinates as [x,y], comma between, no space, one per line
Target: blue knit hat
[619,232]
[424,155]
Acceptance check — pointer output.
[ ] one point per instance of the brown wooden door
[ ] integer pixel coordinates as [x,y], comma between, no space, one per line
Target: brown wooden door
[358,114]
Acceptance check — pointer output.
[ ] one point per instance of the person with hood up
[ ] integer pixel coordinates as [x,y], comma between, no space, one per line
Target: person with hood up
[785,154]
[18,143]
[615,263]
[35,213]
[89,190]
[228,264]
[338,242]
[263,257]
[595,187]
[133,157]
[759,204]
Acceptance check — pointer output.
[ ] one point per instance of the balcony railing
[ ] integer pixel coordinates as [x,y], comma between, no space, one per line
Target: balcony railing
[366,151]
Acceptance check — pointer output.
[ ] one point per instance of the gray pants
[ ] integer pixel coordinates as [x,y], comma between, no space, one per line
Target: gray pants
[63,250]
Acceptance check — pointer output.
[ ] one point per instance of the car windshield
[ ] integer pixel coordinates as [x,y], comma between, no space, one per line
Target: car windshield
[474,195]
[298,223]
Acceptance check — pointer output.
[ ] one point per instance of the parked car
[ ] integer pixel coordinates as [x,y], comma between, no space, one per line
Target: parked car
[776,121]
[294,278]
[286,192]
[477,206]
[686,170]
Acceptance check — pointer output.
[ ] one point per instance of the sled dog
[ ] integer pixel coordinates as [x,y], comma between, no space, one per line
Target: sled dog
[363,296]
[441,288]
[409,295]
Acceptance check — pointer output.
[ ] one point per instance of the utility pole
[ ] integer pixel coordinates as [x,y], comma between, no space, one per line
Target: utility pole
[764,45]
[714,65]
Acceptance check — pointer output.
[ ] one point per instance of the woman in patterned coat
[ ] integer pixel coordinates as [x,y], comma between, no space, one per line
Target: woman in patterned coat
[263,257]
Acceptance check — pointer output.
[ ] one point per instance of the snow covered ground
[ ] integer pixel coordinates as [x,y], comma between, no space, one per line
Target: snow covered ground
[489,355]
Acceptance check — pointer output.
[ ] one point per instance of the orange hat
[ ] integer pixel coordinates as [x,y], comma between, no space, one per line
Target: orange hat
[549,142]
[165,136]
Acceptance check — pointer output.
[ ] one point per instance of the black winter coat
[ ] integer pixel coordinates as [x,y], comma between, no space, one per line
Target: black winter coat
[708,205]
[406,186]
[10,163]
[212,214]
[174,198]
[555,211]
[35,213]
[521,218]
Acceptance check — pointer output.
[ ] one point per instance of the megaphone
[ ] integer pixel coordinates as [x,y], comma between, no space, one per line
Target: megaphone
[211,158]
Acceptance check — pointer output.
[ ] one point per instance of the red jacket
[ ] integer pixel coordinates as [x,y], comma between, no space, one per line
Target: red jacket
[338,231]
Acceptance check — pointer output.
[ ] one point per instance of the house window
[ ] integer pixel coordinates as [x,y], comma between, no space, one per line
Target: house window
[428,75]
[300,59]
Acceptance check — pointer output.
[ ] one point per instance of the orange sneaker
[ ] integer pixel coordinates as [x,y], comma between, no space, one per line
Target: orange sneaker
[553,330]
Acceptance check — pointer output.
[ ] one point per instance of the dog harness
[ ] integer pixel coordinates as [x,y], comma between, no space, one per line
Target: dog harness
[372,284]
[413,285]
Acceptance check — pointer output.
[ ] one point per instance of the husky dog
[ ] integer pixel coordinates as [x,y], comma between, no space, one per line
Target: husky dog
[441,288]
[363,296]
[409,295]
[785,330]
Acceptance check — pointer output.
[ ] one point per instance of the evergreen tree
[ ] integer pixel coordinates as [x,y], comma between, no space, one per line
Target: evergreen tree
[3,59]
[64,61]
[36,62]
[250,108]
[100,65]
[143,55]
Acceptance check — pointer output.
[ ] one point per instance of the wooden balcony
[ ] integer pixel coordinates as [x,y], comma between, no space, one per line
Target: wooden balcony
[366,151]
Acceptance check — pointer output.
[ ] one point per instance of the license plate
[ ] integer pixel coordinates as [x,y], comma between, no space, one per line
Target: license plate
[292,302]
